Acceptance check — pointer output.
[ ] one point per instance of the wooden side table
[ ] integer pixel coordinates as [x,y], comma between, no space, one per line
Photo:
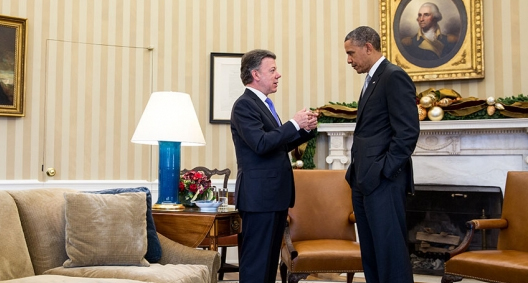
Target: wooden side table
[191,226]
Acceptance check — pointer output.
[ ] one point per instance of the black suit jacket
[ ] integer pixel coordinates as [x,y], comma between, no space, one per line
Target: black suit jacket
[265,176]
[387,129]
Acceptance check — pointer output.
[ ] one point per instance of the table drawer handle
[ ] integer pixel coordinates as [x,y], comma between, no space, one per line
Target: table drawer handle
[235,225]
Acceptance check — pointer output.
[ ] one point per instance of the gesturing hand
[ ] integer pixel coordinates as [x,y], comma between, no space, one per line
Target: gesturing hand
[306,119]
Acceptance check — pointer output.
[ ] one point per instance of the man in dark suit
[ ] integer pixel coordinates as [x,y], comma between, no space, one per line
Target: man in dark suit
[264,186]
[380,173]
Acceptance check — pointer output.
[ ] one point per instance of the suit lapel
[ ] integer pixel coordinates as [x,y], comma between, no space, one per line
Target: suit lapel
[370,88]
[262,106]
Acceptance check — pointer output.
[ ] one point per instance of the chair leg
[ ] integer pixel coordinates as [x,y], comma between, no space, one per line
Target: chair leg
[283,271]
[222,263]
[296,277]
[350,277]
[450,278]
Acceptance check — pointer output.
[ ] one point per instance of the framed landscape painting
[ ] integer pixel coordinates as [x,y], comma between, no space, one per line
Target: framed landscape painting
[434,39]
[12,65]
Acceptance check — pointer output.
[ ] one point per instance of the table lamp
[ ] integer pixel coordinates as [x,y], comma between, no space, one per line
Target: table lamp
[169,120]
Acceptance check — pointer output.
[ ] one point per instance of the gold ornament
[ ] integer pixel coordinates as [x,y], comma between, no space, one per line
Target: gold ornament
[422,112]
[490,100]
[444,102]
[490,110]
[432,95]
[299,164]
[499,106]
[426,101]
[435,114]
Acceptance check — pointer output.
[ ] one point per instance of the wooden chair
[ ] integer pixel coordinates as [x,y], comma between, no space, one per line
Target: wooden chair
[223,242]
[509,263]
[320,236]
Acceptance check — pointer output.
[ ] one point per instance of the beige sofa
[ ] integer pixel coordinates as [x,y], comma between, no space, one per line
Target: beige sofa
[36,241]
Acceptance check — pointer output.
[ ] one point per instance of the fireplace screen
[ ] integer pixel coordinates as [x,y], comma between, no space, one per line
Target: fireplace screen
[436,217]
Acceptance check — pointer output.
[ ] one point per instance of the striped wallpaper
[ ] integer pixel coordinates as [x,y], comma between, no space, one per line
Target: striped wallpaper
[92,64]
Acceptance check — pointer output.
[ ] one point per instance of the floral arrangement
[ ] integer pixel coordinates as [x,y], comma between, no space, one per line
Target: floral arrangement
[195,185]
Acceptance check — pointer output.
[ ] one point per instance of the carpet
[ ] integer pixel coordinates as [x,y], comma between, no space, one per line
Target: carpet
[358,280]
[302,281]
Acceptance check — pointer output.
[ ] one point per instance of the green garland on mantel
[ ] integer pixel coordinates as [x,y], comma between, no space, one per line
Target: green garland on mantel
[309,152]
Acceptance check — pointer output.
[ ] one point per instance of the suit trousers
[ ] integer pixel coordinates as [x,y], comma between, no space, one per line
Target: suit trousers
[261,240]
[382,230]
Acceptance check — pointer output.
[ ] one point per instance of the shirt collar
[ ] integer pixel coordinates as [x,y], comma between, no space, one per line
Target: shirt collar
[259,93]
[375,66]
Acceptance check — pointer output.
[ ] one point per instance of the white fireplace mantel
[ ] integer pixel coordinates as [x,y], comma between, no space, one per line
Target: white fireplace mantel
[461,152]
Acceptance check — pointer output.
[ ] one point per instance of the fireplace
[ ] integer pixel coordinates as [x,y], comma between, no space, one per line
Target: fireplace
[460,152]
[436,217]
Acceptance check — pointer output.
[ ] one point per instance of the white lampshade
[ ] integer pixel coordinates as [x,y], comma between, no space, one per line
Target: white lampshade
[169,116]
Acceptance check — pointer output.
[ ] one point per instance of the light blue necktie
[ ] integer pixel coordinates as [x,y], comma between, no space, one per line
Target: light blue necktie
[272,108]
[367,80]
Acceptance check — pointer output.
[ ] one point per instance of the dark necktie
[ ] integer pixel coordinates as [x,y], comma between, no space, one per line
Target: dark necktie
[272,108]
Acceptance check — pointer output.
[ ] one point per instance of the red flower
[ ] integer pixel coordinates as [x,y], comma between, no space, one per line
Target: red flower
[194,185]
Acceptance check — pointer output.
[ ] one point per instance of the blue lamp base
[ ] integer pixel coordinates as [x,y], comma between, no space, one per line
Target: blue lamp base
[169,176]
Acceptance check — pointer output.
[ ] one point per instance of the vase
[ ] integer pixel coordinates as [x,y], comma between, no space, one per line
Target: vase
[187,202]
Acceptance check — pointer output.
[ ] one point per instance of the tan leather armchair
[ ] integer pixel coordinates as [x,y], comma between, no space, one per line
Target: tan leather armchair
[320,236]
[509,263]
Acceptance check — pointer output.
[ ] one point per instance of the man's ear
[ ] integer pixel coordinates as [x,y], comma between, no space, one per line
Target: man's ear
[369,47]
[255,75]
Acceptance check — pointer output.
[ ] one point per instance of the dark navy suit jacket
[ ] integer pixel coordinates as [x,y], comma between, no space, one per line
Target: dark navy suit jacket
[387,128]
[265,176]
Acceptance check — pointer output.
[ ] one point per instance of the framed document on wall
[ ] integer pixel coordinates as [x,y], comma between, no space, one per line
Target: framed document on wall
[434,39]
[226,85]
[12,65]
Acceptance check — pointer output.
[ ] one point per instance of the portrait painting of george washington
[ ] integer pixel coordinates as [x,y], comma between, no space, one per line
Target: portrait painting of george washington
[430,33]
[434,39]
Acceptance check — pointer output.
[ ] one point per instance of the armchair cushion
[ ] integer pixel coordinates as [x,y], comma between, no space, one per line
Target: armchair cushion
[325,255]
[153,244]
[103,229]
[508,264]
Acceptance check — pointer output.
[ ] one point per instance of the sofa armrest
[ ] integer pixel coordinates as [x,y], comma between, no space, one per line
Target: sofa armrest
[175,253]
[472,226]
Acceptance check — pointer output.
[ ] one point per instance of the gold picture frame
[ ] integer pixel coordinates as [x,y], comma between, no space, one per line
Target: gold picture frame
[460,55]
[12,67]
